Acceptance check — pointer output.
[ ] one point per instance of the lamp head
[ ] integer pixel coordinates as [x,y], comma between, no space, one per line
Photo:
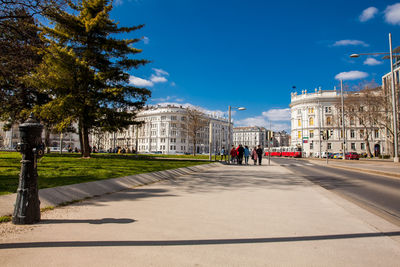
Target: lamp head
[241,108]
[354,55]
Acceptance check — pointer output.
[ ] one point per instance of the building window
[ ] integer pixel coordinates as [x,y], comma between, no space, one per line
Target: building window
[352,134]
[376,133]
[299,134]
[173,118]
[173,140]
[311,145]
[328,110]
[299,112]
[183,118]
[353,146]
[362,146]
[352,121]
[328,120]
[163,118]
[361,134]
[311,110]
[311,134]
[311,121]
[298,122]
[329,145]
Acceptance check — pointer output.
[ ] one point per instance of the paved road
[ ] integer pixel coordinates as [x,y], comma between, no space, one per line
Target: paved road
[226,216]
[377,193]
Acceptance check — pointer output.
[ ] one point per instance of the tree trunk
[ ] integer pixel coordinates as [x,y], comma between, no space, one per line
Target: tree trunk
[194,147]
[47,139]
[368,148]
[80,135]
[84,139]
[85,142]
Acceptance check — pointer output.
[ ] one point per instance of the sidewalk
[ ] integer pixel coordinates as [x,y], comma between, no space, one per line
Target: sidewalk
[225,216]
[52,197]
[387,168]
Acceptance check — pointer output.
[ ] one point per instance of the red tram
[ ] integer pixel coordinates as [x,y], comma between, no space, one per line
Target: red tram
[294,152]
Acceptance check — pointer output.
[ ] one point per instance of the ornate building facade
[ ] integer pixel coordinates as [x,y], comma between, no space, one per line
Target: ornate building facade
[250,136]
[314,113]
[164,129]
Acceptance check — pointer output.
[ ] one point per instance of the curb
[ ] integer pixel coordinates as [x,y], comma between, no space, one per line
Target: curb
[56,196]
[389,174]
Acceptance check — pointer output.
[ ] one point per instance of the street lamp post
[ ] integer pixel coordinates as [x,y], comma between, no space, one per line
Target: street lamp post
[229,125]
[395,141]
[343,123]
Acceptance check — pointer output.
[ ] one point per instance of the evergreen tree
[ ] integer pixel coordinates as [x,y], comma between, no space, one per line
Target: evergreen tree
[19,42]
[84,71]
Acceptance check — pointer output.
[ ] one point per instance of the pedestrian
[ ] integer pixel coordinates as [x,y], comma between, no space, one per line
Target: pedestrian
[240,152]
[254,155]
[233,154]
[246,155]
[259,154]
[223,154]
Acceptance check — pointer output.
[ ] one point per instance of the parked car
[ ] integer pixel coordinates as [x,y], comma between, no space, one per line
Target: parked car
[338,156]
[352,155]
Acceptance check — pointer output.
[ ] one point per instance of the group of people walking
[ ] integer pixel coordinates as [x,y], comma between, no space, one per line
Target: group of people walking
[239,153]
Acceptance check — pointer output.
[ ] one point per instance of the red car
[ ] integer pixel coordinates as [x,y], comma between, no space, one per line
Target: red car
[352,155]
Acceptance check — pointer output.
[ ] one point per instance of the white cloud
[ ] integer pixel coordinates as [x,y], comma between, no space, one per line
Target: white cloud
[351,75]
[160,72]
[158,79]
[146,40]
[252,121]
[276,119]
[372,61]
[392,14]
[118,2]
[218,113]
[262,121]
[168,98]
[350,42]
[136,81]
[277,114]
[368,14]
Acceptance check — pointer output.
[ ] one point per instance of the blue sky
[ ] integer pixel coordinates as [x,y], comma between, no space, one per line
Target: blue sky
[251,53]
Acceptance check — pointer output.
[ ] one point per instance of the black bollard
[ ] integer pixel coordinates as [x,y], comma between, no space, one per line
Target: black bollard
[27,205]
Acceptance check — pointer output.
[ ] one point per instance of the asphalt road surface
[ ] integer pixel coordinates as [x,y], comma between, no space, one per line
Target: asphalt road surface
[376,193]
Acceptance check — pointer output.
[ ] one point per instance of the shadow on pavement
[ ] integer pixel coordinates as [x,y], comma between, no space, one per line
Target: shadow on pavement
[198,242]
[128,194]
[99,221]
[238,177]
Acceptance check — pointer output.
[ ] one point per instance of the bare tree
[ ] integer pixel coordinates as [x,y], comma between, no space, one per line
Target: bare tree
[384,118]
[362,106]
[197,121]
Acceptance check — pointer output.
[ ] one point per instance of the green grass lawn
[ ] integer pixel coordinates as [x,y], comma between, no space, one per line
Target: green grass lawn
[56,170]
[206,157]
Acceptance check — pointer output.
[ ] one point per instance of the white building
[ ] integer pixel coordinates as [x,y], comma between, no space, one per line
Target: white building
[387,91]
[250,136]
[315,112]
[9,139]
[164,130]
[280,139]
